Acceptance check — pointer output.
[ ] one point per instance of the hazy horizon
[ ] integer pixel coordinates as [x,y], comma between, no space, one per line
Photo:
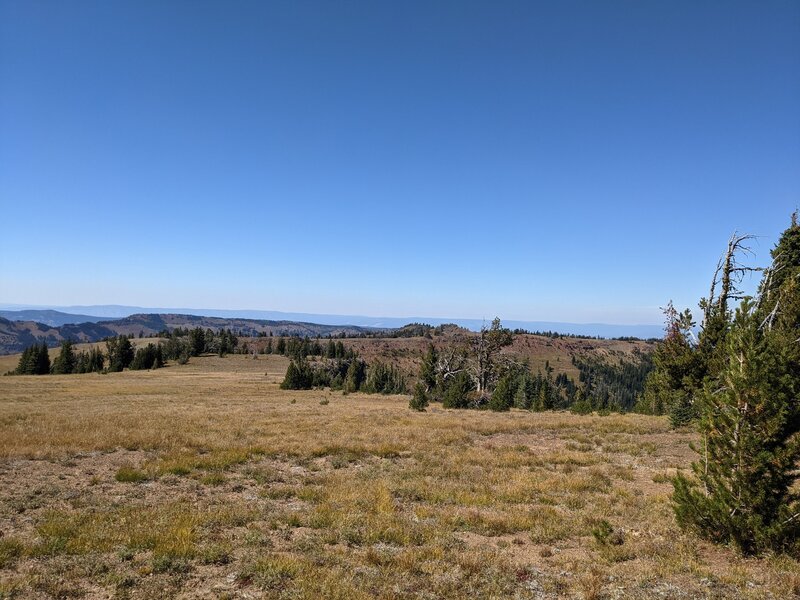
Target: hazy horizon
[601,329]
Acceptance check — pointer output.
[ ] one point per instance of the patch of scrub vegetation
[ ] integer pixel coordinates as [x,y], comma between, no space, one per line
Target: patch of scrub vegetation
[129,474]
[171,530]
[11,549]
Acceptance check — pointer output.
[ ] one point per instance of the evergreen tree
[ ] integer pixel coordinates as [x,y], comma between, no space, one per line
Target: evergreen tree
[120,353]
[27,361]
[544,396]
[158,361]
[749,420]
[671,385]
[384,379]
[428,370]
[524,392]
[197,341]
[580,404]
[125,351]
[149,357]
[96,360]
[298,376]
[749,423]
[42,364]
[419,400]
[65,362]
[458,391]
[356,374]
[503,395]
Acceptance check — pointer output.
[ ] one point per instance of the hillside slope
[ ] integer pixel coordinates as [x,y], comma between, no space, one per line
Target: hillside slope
[53,318]
[539,351]
[15,336]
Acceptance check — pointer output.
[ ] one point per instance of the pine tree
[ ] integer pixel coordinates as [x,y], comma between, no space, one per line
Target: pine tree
[96,360]
[26,363]
[749,423]
[524,393]
[427,372]
[298,376]
[197,341]
[42,364]
[65,362]
[120,353]
[670,386]
[503,395]
[458,391]
[748,417]
[355,376]
[126,351]
[419,400]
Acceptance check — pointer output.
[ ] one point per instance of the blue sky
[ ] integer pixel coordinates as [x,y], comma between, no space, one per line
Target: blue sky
[570,161]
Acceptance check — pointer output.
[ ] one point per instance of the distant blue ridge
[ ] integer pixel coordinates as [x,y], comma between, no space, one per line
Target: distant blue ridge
[63,315]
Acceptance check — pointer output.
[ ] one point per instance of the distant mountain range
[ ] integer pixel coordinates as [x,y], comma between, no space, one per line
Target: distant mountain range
[53,318]
[80,314]
[16,335]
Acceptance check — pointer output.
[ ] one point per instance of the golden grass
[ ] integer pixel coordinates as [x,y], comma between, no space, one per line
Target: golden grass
[207,480]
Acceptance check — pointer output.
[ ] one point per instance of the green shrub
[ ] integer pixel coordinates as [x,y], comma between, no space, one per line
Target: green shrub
[298,376]
[10,551]
[128,474]
[457,391]
[419,400]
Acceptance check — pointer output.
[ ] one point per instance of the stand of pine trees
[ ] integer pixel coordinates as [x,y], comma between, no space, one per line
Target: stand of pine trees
[35,360]
[336,367]
[120,355]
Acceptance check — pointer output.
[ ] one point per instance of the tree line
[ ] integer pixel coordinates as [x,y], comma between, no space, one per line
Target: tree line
[302,347]
[479,375]
[348,373]
[179,345]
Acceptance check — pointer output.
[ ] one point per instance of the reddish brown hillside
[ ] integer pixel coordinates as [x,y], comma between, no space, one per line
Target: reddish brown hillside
[538,350]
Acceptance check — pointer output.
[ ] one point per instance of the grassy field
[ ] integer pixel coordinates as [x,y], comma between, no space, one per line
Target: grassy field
[207,481]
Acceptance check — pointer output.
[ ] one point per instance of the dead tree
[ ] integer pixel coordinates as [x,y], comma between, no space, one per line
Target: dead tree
[485,347]
[729,274]
[451,362]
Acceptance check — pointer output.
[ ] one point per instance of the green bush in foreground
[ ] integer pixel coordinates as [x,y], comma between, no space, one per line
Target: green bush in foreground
[419,399]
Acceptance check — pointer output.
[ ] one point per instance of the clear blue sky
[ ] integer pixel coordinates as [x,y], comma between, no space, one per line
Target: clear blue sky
[573,161]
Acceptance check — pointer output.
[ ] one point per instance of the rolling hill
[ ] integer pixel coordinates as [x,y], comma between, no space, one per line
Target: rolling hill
[17,335]
[53,318]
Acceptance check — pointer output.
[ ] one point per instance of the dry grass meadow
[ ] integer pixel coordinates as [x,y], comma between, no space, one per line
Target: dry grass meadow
[207,481]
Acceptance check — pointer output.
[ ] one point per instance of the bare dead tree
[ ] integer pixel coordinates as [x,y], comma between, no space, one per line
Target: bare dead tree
[729,274]
[485,347]
[452,361]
